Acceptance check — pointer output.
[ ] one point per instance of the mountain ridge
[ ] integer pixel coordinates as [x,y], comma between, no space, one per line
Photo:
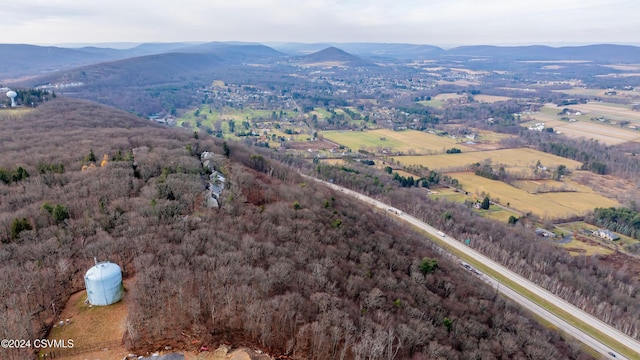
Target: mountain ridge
[335,56]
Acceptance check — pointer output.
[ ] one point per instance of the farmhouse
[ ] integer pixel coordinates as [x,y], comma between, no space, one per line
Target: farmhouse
[606,234]
[537,127]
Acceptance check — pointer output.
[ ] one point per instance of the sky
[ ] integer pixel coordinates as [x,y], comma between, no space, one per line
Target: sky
[433,22]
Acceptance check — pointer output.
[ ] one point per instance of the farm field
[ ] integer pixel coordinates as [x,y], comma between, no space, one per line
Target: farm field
[432,103]
[584,127]
[607,134]
[393,141]
[333,161]
[490,136]
[547,205]
[458,82]
[494,212]
[490,98]
[439,100]
[582,91]
[497,213]
[448,194]
[515,159]
[624,67]
[609,110]
[541,186]
[448,96]
[620,94]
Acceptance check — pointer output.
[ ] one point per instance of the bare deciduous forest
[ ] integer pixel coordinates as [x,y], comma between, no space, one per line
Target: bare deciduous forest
[284,265]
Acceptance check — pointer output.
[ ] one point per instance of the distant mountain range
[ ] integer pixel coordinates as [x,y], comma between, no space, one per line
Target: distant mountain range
[600,53]
[365,50]
[30,60]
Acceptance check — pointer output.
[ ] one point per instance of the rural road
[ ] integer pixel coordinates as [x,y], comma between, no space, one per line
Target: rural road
[515,296]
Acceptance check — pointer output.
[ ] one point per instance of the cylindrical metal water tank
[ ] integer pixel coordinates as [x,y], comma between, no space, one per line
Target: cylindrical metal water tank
[104,284]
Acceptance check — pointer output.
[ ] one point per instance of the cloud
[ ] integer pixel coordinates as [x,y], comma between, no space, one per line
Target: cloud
[433,21]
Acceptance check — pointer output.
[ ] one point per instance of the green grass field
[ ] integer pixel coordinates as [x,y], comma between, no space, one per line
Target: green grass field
[432,103]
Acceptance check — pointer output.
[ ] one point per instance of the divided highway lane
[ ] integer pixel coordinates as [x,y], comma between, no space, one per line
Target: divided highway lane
[530,286]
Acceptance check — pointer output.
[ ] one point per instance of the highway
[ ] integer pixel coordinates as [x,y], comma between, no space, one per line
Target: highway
[512,294]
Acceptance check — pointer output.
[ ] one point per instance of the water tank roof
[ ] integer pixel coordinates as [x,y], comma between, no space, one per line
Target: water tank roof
[103,270]
[104,284]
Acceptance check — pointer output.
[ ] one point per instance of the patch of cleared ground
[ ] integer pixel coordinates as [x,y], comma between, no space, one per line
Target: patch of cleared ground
[224,352]
[499,214]
[333,161]
[16,112]
[97,331]
[577,247]
[448,194]
[609,186]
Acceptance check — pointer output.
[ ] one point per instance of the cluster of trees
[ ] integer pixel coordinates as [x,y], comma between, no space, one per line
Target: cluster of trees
[13,176]
[409,181]
[291,268]
[623,220]
[32,97]
[485,170]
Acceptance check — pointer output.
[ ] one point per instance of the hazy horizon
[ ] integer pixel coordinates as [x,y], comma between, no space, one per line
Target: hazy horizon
[129,45]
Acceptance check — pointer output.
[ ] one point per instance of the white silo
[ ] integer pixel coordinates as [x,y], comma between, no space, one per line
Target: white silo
[104,283]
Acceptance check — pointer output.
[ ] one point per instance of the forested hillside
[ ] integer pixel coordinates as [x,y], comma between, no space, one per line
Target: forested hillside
[284,265]
[588,282]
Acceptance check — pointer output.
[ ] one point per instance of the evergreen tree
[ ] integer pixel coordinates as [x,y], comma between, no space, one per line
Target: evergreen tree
[485,203]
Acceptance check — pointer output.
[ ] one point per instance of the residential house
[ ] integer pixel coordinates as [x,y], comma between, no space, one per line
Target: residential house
[545,233]
[606,234]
